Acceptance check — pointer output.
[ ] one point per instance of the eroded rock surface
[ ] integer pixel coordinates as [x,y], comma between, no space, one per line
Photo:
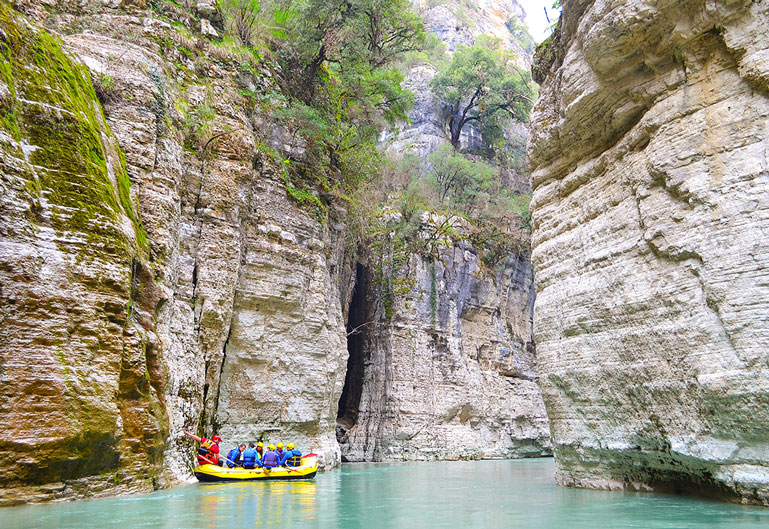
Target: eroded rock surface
[226,317]
[444,366]
[82,388]
[651,213]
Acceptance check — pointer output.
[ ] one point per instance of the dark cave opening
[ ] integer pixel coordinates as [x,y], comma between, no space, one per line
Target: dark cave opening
[357,337]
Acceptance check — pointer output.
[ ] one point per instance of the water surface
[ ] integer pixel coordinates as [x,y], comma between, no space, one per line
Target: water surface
[421,495]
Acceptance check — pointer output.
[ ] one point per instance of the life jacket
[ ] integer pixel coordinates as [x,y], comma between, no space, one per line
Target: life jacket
[282,455]
[270,459]
[206,453]
[232,457]
[295,458]
[249,457]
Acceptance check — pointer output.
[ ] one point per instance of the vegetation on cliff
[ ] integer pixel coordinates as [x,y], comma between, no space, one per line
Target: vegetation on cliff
[482,84]
[330,74]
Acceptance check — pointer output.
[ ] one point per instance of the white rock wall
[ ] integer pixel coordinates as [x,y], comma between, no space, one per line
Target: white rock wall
[452,373]
[651,214]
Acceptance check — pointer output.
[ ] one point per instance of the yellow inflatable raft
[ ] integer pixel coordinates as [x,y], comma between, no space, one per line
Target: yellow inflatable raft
[306,470]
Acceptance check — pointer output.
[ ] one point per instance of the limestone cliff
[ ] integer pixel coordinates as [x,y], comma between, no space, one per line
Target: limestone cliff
[442,358]
[82,385]
[650,215]
[227,316]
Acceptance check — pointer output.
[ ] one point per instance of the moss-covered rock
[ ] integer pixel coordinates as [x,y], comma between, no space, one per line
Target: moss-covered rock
[70,242]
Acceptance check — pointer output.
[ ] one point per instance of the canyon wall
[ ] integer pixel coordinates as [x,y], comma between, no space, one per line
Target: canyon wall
[443,366]
[442,358]
[650,250]
[79,381]
[220,312]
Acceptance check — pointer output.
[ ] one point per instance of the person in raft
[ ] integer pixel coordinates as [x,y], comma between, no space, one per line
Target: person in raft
[208,453]
[293,456]
[235,456]
[270,459]
[260,452]
[281,454]
[251,457]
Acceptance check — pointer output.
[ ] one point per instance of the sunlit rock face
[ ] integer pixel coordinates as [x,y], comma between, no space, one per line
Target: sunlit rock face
[206,300]
[650,250]
[457,23]
[82,386]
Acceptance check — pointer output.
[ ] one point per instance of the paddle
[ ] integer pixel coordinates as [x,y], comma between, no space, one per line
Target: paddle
[216,462]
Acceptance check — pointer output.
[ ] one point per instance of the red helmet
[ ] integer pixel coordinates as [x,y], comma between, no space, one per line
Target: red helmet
[216,438]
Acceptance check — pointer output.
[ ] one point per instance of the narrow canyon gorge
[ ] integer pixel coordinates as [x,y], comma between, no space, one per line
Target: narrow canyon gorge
[162,267]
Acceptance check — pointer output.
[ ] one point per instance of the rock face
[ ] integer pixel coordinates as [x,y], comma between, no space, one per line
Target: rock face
[443,367]
[457,23]
[82,386]
[442,360]
[650,212]
[226,317]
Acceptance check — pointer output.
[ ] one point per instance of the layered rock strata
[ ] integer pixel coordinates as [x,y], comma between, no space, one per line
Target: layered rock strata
[650,214]
[227,318]
[442,362]
[82,387]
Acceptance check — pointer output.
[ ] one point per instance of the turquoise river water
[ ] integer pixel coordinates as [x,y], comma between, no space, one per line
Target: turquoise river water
[464,495]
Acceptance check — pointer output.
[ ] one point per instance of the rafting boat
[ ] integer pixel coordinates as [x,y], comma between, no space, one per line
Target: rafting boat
[306,470]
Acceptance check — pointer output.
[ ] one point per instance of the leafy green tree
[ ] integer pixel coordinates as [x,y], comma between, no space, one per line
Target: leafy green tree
[482,84]
[325,37]
[243,16]
[460,182]
[336,68]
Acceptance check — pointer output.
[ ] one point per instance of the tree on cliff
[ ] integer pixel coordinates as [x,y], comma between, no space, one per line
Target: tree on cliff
[334,62]
[352,40]
[460,183]
[483,84]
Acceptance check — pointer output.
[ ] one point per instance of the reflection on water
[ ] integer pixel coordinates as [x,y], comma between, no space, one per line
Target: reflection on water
[256,504]
[465,495]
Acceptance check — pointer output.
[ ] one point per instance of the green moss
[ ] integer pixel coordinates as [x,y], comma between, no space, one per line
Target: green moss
[304,197]
[53,107]
[7,105]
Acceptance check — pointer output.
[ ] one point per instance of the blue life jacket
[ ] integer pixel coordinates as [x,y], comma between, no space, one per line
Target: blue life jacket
[249,458]
[270,459]
[232,457]
[282,455]
[294,458]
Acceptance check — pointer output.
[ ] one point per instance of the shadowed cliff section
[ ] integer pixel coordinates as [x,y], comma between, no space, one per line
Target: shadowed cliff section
[649,213]
[442,363]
